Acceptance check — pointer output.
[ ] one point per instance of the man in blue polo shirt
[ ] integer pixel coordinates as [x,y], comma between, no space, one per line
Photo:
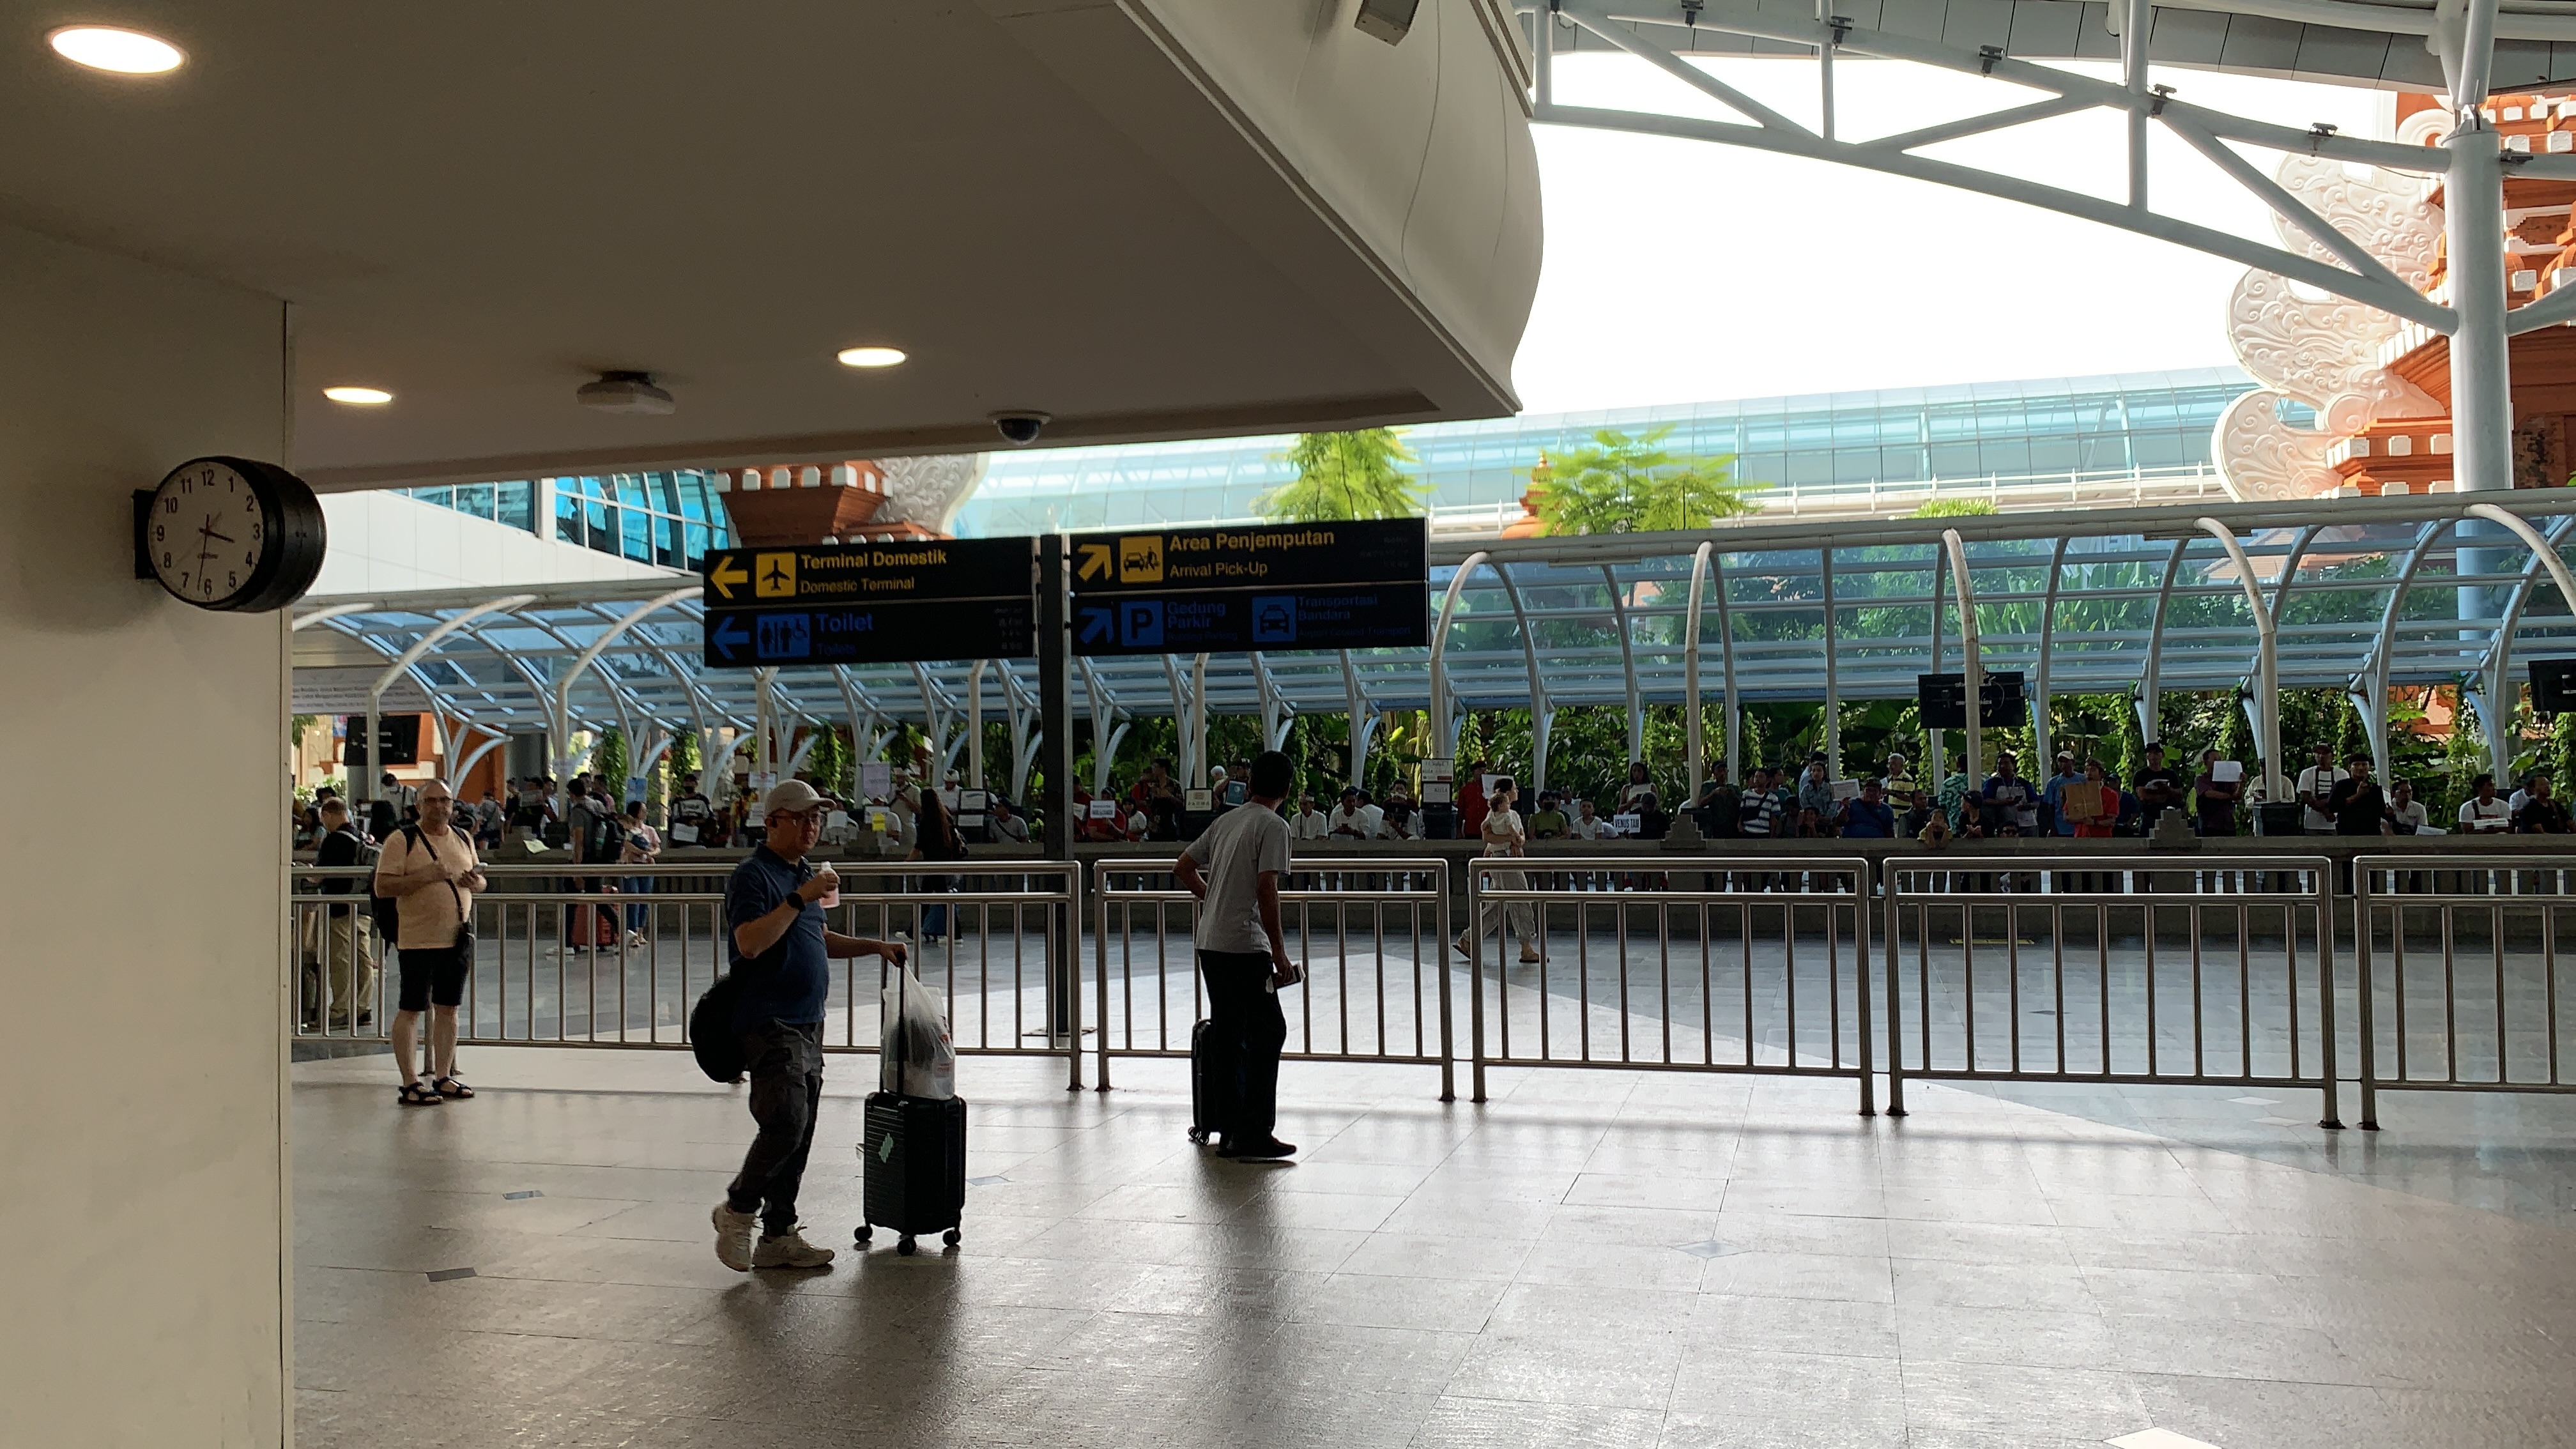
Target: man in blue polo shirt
[781,954]
[1869,817]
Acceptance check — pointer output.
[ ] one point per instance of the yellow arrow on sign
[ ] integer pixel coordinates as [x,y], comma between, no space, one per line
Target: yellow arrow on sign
[1095,560]
[726,574]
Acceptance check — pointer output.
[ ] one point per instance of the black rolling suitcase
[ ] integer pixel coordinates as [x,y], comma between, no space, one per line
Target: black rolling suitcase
[913,1164]
[1204,1111]
[915,1173]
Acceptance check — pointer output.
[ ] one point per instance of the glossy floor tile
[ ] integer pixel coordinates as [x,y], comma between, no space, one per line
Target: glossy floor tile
[1591,1258]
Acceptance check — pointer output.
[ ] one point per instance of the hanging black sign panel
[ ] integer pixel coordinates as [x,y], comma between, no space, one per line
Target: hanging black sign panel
[871,603]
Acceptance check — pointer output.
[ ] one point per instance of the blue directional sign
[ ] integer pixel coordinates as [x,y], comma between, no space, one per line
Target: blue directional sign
[871,633]
[1334,585]
[1378,616]
[871,603]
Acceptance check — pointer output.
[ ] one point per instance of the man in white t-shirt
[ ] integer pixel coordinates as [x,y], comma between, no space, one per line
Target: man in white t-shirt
[2485,812]
[1234,869]
[2405,812]
[1309,823]
[2316,782]
[1353,820]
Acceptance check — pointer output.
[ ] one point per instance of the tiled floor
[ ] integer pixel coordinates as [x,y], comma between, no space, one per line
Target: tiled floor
[1591,1258]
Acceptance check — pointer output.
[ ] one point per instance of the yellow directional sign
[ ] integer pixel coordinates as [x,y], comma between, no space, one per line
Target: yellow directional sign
[774,575]
[1268,556]
[725,572]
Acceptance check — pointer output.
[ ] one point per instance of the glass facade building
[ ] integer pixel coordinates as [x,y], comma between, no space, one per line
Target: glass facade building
[670,519]
[1999,434]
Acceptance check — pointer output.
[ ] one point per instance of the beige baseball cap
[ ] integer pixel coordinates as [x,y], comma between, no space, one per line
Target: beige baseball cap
[789,797]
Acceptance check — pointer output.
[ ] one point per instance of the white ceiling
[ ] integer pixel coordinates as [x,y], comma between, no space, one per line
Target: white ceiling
[479,205]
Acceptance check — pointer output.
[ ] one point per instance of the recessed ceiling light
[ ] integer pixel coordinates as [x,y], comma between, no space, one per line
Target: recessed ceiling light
[872,356]
[364,397]
[126,52]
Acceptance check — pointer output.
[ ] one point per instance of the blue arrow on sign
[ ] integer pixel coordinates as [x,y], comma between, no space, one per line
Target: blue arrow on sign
[1097,625]
[730,635]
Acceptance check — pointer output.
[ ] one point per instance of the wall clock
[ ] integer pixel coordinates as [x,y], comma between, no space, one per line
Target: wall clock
[230,533]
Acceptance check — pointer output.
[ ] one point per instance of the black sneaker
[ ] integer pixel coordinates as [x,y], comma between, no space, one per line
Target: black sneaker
[1262,1151]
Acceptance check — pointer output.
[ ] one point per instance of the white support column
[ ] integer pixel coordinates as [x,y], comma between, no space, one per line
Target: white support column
[1106,729]
[1695,733]
[2135,18]
[1972,652]
[2481,374]
[765,721]
[1538,702]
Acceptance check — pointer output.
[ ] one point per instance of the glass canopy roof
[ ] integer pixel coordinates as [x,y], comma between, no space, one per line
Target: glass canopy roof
[2100,601]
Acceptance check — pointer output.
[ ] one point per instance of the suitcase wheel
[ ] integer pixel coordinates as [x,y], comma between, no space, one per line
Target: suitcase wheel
[862,1233]
[952,1237]
[903,1245]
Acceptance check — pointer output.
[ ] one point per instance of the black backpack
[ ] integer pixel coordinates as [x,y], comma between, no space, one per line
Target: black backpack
[711,1035]
[386,910]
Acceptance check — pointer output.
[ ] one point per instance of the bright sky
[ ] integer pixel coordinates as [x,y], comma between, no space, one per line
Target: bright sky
[1679,271]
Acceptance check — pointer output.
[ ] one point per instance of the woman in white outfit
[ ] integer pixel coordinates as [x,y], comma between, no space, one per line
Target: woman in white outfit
[1504,834]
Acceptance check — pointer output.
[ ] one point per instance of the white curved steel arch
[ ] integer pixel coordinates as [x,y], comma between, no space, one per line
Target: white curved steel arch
[2267,659]
[2042,737]
[1696,744]
[1542,714]
[1627,668]
[2148,701]
[2373,677]
[1444,728]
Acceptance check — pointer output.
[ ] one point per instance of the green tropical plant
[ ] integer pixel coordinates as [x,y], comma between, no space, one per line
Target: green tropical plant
[1345,476]
[1956,508]
[1624,484]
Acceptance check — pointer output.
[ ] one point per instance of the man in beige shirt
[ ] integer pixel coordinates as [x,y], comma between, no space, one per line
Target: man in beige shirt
[431,873]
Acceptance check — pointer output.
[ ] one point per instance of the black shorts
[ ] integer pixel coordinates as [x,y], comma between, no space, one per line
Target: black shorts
[433,977]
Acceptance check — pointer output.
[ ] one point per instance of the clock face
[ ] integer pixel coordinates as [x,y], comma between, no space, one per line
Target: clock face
[207,532]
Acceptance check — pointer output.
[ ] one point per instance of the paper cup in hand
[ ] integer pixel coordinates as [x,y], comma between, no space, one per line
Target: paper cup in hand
[830,898]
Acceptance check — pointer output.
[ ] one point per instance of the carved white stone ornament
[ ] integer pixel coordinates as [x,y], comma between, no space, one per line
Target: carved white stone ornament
[2318,349]
[929,491]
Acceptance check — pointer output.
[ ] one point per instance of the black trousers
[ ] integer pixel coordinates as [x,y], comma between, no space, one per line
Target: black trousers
[1245,1032]
[786,1091]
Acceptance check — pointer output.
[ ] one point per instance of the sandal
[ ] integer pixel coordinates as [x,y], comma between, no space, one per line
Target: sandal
[450,1087]
[418,1094]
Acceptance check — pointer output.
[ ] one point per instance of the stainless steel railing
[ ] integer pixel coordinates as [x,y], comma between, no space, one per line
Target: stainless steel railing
[2111,969]
[1755,965]
[1370,932]
[558,963]
[2460,981]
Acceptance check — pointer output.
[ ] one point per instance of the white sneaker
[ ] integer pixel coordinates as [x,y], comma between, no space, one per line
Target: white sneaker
[790,1250]
[733,1237]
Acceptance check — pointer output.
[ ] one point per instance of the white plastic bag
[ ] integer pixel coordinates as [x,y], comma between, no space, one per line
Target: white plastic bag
[917,1058]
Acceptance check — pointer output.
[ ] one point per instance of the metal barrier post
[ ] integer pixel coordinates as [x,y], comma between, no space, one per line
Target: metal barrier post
[1894,900]
[1440,948]
[1860,981]
[2366,975]
[2326,1043]
[1475,976]
[1100,942]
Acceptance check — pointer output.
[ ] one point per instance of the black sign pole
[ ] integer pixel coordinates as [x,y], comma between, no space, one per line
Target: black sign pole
[1055,767]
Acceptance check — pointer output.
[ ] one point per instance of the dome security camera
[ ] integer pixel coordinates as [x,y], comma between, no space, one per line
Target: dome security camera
[1020,426]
